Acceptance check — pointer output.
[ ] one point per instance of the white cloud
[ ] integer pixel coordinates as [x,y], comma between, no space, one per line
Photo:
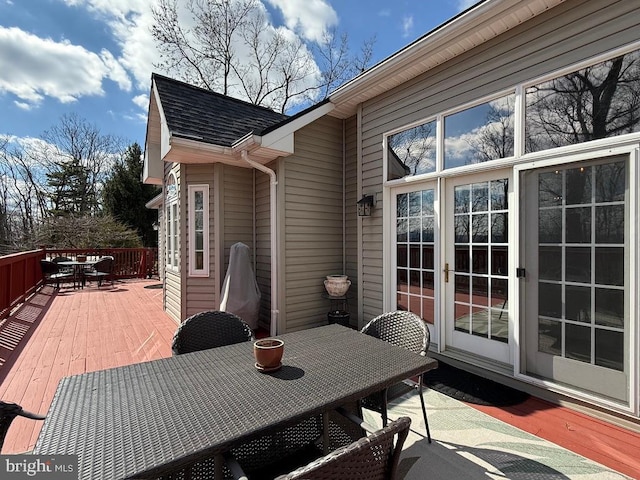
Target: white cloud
[42,67]
[309,18]
[142,101]
[407,26]
[23,105]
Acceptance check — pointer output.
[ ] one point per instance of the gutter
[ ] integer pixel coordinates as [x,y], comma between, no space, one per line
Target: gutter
[273,328]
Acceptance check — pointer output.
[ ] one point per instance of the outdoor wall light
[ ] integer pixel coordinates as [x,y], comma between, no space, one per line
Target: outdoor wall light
[365,204]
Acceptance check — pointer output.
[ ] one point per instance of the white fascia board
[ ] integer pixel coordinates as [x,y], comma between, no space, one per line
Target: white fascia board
[282,137]
[165,134]
[155,202]
[188,143]
[453,33]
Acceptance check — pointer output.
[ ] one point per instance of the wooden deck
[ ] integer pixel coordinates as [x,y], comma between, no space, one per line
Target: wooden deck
[61,333]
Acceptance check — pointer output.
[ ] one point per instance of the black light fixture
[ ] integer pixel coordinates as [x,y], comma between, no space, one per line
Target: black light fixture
[365,204]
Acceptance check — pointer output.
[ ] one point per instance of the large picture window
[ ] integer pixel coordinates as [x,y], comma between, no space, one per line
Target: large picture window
[599,101]
[199,230]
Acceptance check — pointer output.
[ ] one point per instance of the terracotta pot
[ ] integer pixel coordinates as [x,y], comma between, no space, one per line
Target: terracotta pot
[81,258]
[268,352]
[337,285]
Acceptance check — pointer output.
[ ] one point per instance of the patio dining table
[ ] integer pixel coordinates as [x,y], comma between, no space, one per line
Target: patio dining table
[78,269]
[149,419]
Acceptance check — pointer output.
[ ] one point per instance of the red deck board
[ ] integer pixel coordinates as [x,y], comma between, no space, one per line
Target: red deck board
[96,328]
[590,437]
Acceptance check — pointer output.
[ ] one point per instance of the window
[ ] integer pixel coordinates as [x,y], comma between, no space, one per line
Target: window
[480,133]
[172,222]
[199,230]
[412,151]
[595,102]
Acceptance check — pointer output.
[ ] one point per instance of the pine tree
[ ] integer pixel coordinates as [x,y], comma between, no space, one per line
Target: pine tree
[124,196]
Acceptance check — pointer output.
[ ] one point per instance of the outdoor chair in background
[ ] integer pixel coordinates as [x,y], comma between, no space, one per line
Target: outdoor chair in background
[407,330]
[372,457]
[8,412]
[53,274]
[101,270]
[210,329]
[63,268]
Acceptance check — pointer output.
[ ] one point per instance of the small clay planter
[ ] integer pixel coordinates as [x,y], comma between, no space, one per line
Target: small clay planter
[268,353]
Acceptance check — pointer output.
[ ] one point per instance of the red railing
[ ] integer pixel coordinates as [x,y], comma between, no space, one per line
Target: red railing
[20,273]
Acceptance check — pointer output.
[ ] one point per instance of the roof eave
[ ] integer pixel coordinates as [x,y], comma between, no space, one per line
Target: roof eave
[473,27]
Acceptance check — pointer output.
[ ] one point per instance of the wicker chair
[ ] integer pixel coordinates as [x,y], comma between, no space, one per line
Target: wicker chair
[407,330]
[9,411]
[102,269]
[374,457]
[52,273]
[210,329]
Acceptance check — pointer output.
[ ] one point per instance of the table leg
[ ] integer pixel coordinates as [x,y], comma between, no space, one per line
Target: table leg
[218,462]
[325,433]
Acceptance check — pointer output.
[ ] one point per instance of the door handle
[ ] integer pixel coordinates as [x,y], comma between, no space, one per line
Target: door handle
[446,272]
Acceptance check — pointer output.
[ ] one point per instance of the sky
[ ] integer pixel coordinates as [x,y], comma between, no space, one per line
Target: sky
[94,58]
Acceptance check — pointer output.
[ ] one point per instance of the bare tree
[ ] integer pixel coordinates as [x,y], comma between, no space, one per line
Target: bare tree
[75,155]
[74,142]
[595,102]
[231,49]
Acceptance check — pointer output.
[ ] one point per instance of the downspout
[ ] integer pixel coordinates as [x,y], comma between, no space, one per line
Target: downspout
[274,243]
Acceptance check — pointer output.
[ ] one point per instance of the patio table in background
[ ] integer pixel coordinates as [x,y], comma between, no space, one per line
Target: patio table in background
[78,269]
[149,419]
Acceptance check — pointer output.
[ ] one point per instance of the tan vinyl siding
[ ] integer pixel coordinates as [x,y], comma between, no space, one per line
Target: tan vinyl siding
[351,212]
[200,291]
[313,227]
[570,33]
[238,210]
[263,246]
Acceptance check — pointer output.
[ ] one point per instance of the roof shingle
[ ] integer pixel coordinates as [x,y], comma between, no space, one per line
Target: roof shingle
[206,116]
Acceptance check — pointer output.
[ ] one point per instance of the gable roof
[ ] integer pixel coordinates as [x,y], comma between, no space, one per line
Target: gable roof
[205,116]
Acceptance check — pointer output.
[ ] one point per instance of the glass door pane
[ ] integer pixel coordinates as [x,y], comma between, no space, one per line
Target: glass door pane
[415,245]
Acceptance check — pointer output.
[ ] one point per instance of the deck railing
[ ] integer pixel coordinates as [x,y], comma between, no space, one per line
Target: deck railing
[20,273]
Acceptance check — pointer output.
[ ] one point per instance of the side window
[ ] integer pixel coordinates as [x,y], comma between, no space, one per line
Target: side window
[199,230]
[172,222]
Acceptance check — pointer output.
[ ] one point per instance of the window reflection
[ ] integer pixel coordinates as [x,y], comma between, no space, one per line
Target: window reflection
[595,102]
[581,263]
[480,133]
[412,151]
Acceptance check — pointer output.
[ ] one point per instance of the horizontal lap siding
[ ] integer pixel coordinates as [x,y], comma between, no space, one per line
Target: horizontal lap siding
[570,33]
[351,212]
[312,228]
[200,291]
[263,245]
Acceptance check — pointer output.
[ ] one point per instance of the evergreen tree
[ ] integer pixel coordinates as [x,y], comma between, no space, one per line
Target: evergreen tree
[70,189]
[125,196]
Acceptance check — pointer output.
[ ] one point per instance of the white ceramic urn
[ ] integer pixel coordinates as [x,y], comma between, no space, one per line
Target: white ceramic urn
[337,285]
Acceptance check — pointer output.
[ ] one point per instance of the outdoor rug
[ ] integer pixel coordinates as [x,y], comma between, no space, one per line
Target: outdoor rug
[468,444]
[471,388]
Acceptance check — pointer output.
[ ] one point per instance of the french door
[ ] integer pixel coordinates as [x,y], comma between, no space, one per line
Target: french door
[476,264]
[414,256]
[577,253]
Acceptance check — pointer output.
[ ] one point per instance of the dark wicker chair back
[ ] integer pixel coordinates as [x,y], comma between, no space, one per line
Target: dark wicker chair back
[403,329]
[370,458]
[9,411]
[60,259]
[52,273]
[102,269]
[208,330]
